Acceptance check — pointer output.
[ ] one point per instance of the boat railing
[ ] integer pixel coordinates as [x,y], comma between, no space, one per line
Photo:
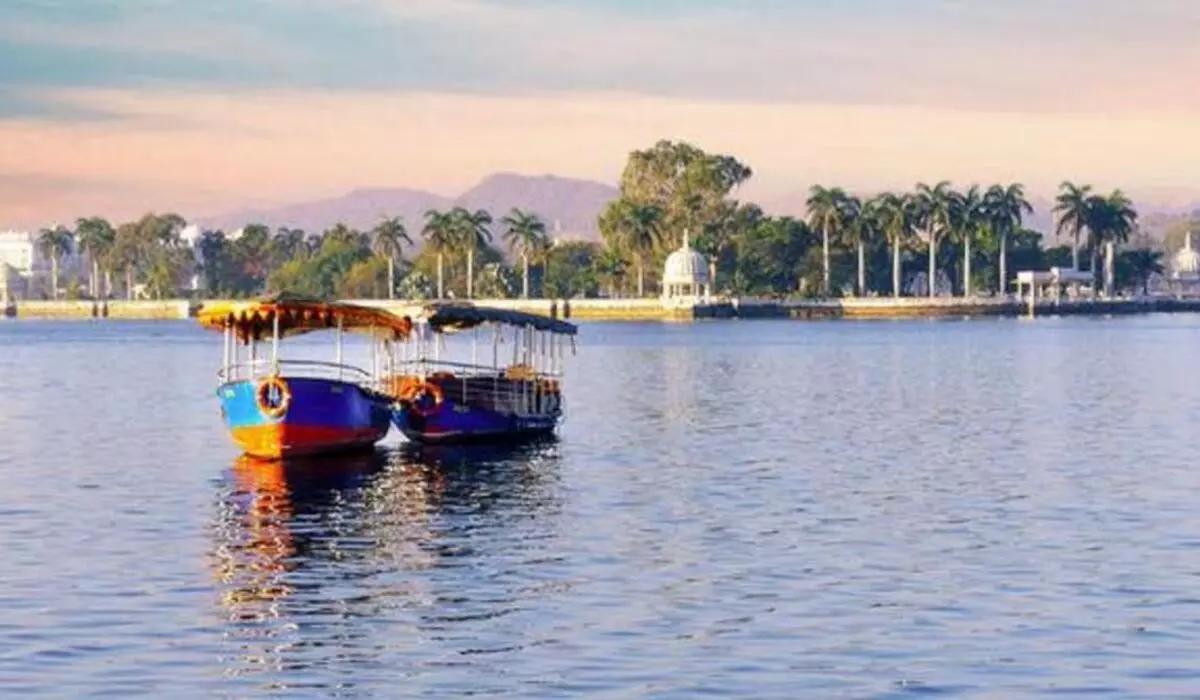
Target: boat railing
[309,369]
[427,368]
[517,389]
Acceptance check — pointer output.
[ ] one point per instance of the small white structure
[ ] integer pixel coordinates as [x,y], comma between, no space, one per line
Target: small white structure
[685,277]
[1052,283]
[1185,269]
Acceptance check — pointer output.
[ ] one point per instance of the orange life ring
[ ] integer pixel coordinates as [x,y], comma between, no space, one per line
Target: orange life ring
[406,387]
[262,396]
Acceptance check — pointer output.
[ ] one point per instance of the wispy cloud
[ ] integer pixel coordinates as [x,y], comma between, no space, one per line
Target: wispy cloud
[983,55]
[196,106]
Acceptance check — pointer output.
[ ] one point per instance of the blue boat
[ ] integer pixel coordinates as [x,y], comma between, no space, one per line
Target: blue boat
[441,401]
[276,408]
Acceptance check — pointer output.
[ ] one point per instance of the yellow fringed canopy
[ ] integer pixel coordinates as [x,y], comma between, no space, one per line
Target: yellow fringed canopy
[255,319]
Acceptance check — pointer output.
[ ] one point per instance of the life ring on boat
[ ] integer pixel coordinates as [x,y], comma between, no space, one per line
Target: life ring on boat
[433,391]
[405,388]
[266,403]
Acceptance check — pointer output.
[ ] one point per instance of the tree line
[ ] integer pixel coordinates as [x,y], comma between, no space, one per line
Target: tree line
[933,238]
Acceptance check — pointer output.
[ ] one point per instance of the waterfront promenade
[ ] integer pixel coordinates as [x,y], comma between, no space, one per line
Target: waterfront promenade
[657,310]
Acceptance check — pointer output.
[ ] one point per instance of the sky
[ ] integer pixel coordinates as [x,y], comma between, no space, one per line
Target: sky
[117,107]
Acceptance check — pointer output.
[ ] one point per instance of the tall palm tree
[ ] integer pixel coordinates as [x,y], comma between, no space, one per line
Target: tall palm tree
[55,243]
[1110,220]
[1006,209]
[525,235]
[892,214]
[859,229]
[388,239]
[439,237]
[1071,208]
[825,214]
[933,208]
[971,216]
[471,234]
[95,236]
[639,234]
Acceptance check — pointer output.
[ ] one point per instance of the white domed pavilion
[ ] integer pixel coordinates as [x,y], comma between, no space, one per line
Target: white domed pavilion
[1185,270]
[1187,261]
[685,276]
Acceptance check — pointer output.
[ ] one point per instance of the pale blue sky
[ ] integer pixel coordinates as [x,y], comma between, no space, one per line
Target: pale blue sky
[1012,54]
[201,105]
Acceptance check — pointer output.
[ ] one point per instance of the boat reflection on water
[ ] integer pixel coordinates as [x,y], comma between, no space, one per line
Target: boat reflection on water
[314,557]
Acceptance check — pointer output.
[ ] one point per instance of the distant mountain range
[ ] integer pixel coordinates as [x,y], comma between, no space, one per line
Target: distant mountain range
[568,206]
[571,206]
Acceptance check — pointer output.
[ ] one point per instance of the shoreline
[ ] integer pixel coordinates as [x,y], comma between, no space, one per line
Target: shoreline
[656,310]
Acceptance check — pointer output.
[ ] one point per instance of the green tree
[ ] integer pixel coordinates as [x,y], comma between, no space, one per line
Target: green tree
[525,235]
[934,213]
[387,240]
[1006,209]
[55,243]
[686,185]
[96,236]
[635,229]
[826,213]
[1138,266]
[970,216]
[439,233]
[471,233]
[569,270]
[1071,208]
[859,230]
[893,215]
[1110,220]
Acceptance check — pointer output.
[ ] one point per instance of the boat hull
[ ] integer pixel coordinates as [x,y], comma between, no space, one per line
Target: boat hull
[323,416]
[450,423]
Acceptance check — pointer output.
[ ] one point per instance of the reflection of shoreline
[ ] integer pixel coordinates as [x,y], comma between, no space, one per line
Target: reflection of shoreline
[310,556]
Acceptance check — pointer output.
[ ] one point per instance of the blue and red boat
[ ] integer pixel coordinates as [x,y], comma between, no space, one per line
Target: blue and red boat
[276,408]
[441,400]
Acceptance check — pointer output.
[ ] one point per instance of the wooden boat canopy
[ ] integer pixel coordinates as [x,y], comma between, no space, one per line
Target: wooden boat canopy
[255,319]
[453,317]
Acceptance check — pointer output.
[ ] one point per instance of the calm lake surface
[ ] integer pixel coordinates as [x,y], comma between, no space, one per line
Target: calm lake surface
[983,509]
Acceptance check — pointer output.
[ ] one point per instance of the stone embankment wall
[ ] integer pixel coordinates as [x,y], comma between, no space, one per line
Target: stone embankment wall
[115,309]
[655,310]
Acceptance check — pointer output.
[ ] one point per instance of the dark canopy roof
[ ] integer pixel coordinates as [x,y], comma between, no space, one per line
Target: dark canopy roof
[451,317]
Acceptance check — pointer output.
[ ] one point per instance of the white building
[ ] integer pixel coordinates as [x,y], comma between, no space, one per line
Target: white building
[1185,269]
[25,272]
[685,277]
[19,250]
[21,265]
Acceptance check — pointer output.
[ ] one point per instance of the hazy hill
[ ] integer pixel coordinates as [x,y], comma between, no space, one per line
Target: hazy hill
[569,207]
[571,204]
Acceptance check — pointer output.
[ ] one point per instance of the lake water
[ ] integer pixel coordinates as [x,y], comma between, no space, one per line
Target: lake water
[983,509]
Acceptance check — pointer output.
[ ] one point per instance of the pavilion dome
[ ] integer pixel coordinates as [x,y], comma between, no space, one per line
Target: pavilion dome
[1187,260]
[685,266]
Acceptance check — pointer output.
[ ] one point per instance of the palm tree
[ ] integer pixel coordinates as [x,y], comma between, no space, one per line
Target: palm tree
[1144,263]
[892,215]
[1110,220]
[439,237]
[971,215]
[95,236]
[1006,209]
[933,209]
[860,230]
[388,239]
[825,214]
[54,243]
[525,235]
[640,227]
[471,233]
[1071,208]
